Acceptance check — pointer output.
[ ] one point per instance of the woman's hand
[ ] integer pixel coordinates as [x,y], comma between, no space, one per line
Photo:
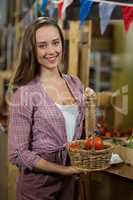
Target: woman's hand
[69,170]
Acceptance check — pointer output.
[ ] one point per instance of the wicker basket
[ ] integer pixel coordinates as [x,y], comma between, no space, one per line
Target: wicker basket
[90,160]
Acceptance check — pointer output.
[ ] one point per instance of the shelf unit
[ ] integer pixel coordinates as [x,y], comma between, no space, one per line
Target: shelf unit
[101,70]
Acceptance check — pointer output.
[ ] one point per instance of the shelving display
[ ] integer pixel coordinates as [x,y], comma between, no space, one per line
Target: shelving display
[101,71]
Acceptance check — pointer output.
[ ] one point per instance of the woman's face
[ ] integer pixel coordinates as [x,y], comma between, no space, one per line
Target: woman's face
[48,47]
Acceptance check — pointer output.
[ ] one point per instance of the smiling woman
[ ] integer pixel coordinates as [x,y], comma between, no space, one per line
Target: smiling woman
[49,47]
[32,44]
[39,120]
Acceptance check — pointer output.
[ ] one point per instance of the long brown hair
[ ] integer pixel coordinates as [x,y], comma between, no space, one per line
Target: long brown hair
[28,67]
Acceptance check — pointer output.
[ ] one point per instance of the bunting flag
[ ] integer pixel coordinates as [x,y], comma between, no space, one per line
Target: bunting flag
[27,19]
[51,9]
[43,7]
[85,8]
[127,16]
[35,9]
[66,3]
[60,5]
[105,12]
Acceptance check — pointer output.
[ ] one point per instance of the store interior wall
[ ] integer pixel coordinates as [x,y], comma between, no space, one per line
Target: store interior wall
[123,70]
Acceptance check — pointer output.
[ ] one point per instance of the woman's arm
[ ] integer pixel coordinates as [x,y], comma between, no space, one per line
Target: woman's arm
[46,166]
[19,129]
[20,122]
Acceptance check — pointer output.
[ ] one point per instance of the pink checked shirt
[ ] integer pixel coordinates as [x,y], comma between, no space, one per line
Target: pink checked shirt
[36,124]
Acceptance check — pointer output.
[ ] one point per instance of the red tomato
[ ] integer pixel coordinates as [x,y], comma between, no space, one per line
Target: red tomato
[97,142]
[74,145]
[108,134]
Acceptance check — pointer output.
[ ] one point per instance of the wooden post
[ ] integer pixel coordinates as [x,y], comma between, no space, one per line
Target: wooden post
[73,48]
[1,90]
[85,52]
[4,75]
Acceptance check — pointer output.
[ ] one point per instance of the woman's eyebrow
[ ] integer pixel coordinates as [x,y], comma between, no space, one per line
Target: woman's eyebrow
[57,39]
[42,42]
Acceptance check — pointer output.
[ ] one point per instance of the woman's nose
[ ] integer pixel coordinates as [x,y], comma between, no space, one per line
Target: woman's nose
[50,49]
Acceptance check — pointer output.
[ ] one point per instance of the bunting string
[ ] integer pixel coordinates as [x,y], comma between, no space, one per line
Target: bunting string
[113,2]
[105,10]
[99,1]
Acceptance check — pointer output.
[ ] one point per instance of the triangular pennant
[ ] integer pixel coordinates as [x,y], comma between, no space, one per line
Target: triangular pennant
[36,6]
[51,9]
[60,4]
[127,16]
[105,12]
[27,19]
[85,8]
[43,7]
[66,3]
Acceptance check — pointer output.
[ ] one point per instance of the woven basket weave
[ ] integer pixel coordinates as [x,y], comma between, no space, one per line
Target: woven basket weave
[91,160]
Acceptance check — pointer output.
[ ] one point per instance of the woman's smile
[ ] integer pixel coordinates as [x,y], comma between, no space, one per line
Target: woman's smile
[51,59]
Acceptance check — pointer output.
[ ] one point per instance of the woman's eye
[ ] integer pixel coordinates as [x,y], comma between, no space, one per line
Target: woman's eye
[42,46]
[56,43]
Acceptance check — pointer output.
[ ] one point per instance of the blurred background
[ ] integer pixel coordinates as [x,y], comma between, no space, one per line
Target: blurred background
[102,61]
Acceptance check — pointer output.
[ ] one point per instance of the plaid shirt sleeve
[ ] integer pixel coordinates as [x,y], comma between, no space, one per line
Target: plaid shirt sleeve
[19,130]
